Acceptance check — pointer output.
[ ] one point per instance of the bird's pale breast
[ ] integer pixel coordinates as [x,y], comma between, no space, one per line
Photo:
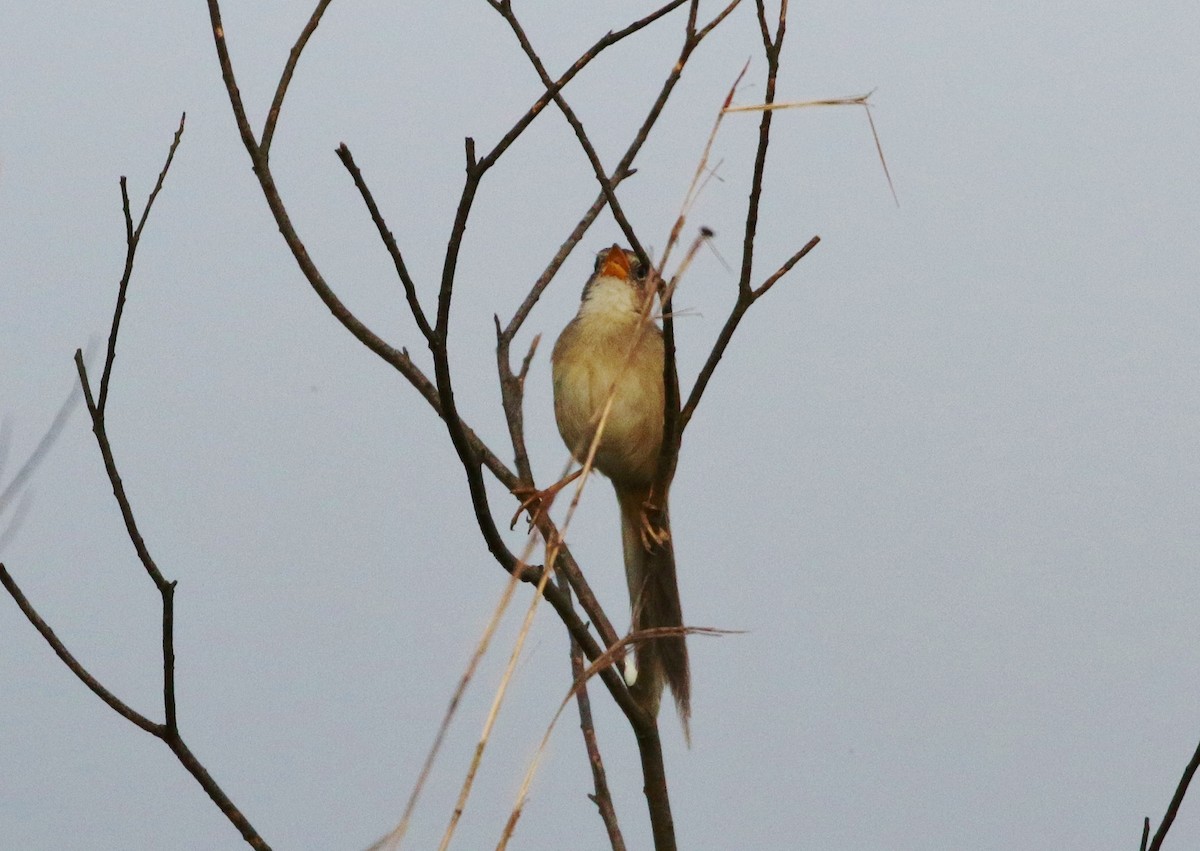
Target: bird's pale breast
[593,356]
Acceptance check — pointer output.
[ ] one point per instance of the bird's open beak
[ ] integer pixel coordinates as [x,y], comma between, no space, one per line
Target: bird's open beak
[616,264]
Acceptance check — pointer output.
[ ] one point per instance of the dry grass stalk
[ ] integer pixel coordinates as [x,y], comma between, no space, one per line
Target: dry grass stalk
[852,100]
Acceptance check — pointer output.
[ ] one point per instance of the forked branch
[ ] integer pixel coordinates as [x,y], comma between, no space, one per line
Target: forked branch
[168,730]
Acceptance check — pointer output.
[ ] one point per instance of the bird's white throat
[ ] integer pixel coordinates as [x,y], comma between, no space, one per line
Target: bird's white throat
[612,298]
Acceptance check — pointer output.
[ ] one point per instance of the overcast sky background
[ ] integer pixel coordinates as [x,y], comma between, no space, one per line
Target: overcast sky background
[945,478]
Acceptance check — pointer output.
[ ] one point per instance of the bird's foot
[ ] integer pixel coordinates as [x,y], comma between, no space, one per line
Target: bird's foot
[538,502]
[653,535]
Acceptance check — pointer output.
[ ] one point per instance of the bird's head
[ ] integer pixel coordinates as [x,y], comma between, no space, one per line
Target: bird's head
[619,281]
[618,262]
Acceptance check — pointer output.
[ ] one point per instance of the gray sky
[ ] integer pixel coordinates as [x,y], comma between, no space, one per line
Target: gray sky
[945,477]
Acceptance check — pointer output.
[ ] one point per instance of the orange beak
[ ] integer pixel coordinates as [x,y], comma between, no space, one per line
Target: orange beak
[616,264]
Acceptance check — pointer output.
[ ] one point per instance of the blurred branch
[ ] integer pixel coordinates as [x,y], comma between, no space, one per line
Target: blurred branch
[10,491]
[439,392]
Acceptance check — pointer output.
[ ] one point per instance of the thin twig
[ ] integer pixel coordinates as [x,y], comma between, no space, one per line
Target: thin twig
[132,237]
[747,294]
[168,731]
[849,100]
[602,797]
[389,241]
[608,40]
[285,78]
[672,433]
[786,267]
[114,477]
[1176,800]
[115,703]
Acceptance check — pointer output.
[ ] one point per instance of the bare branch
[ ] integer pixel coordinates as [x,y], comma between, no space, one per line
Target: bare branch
[471,449]
[114,477]
[1173,808]
[235,816]
[132,237]
[168,731]
[115,703]
[691,42]
[512,399]
[786,267]
[389,241]
[602,798]
[439,392]
[289,69]
[746,294]
[580,134]
[586,57]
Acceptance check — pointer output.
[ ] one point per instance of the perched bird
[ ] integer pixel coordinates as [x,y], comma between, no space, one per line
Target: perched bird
[612,348]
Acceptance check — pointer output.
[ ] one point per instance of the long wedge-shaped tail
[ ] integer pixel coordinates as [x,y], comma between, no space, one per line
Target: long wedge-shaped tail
[654,602]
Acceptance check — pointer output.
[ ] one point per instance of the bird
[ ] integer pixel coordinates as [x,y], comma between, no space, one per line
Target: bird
[614,349]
